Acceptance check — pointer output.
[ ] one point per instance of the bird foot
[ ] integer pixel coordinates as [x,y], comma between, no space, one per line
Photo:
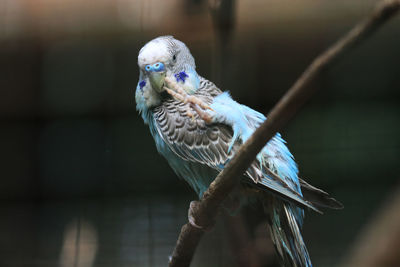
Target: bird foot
[204,115]
[195,103]
[193,208]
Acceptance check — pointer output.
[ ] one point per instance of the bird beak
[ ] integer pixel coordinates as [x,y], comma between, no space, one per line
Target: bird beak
[157,81]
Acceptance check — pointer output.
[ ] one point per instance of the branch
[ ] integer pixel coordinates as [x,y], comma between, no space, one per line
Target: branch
[205,211]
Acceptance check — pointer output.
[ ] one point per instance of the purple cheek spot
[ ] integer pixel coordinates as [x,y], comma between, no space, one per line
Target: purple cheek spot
[142,84]
[181,76]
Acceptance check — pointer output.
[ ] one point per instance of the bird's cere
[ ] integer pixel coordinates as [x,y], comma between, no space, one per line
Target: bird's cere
[156,67]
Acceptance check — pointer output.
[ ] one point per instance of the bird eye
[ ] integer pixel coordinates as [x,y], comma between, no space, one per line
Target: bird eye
[148,67]
[174,58]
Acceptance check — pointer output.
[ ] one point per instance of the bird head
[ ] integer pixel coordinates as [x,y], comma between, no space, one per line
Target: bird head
[163,57]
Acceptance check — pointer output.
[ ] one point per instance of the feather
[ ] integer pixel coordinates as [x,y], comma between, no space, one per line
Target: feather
[187,143]
[197,151]
[318,197]
[285,233]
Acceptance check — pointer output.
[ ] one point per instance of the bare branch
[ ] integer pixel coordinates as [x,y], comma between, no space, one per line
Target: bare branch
[205,211]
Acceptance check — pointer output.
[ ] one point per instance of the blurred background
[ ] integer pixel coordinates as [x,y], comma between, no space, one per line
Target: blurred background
[81,183]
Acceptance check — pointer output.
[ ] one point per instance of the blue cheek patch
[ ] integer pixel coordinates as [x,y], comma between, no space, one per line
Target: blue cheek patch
[181,76]
[142,84]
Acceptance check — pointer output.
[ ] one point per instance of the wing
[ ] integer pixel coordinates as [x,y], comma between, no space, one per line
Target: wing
[211,144]
[191,139]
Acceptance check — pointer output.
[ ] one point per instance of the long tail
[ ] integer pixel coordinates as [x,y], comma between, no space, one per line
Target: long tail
[285,224]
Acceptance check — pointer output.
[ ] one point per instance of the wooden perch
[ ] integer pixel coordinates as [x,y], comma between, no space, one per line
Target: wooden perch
[205,211]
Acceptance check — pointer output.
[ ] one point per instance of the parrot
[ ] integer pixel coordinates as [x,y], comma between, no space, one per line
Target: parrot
[198,128]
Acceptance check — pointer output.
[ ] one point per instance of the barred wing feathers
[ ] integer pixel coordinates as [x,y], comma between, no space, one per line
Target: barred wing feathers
[208,144]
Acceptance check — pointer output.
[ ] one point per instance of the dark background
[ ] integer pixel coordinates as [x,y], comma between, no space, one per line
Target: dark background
[81,183]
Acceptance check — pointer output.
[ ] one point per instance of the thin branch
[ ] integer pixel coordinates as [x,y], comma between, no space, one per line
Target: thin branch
[205,211]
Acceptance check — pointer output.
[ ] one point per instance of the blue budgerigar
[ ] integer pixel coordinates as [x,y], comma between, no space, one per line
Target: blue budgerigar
[198,128]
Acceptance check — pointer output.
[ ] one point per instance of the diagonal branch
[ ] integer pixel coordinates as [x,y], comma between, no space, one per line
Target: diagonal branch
[205,211]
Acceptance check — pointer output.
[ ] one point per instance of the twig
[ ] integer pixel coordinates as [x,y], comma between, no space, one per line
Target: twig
[205,211]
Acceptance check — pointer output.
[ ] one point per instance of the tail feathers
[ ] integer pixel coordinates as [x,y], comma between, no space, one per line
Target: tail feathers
[318,197]
[286,235]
